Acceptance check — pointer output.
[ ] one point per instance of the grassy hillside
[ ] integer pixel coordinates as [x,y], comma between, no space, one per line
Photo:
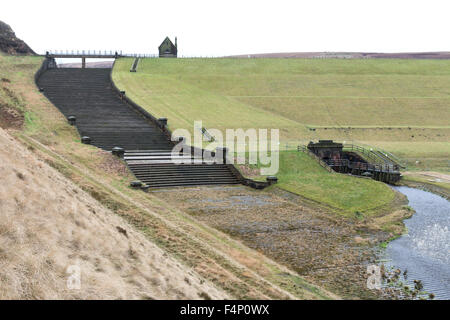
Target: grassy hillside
[348,194]
[399,105]
[224,263]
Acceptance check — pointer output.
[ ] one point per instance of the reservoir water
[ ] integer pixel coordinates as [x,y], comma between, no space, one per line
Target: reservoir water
[425,249]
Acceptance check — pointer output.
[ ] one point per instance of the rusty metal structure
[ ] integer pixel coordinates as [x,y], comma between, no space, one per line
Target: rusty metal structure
[356,160]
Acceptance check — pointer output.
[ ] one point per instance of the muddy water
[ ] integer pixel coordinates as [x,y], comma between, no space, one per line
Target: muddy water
[425,250]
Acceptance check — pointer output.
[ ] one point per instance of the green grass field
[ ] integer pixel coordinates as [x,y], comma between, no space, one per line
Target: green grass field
[349,195]
[402,106]
[344,194]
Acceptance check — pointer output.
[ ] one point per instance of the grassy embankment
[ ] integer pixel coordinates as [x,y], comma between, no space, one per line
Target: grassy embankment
[435,182]
[401,106]
[349,195]
[229,265]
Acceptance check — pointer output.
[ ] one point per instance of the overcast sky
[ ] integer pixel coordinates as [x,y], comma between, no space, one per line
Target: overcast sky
[215,28]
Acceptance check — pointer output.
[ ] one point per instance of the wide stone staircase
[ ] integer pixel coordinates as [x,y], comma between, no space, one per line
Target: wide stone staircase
[160,169]
[101,115]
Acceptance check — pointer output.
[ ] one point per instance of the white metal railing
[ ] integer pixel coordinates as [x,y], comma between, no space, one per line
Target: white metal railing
[88,53]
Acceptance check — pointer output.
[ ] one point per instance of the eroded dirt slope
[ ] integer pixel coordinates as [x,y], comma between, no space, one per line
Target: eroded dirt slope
[47,224]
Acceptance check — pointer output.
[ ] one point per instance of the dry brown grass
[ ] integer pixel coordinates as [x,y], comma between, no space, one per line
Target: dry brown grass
[393,221]
[47,224]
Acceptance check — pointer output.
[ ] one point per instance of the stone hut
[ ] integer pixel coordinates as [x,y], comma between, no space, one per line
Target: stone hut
[167,49]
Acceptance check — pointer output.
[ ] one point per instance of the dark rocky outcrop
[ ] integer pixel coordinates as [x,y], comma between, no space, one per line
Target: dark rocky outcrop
[10,44]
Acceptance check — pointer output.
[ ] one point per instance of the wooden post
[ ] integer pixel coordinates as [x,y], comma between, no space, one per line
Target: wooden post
[83,62]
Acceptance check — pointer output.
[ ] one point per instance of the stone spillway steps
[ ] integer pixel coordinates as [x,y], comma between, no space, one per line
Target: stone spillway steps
[100,114]
[161,169]
[110,122]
